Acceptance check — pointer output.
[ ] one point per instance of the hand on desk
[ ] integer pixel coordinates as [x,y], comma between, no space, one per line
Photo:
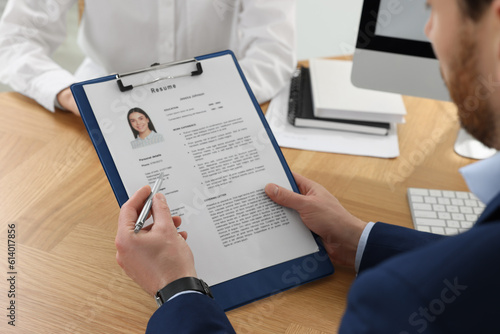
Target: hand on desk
[67,101]
[322,213]
[157,255]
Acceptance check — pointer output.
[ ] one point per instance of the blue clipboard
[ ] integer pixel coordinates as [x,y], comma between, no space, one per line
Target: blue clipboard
[244,289]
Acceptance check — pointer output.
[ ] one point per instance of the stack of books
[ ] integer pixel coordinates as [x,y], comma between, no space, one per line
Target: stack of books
[322,96]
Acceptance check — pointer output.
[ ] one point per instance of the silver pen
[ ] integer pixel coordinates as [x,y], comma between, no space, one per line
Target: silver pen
[147,205]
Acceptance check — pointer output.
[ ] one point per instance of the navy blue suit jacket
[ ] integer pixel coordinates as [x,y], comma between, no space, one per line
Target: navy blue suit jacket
[409,282]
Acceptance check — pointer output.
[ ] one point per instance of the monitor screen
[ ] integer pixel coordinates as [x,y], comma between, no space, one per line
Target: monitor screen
[402,22]
[392,52]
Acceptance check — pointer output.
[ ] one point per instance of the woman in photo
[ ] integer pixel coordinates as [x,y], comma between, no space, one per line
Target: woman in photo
[143,129]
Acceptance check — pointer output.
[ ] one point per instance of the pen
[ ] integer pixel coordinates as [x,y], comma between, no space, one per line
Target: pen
[147,205]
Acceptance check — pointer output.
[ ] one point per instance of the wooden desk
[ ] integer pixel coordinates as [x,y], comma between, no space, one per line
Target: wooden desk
[53,188]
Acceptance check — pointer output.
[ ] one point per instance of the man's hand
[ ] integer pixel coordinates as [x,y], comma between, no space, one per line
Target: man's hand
[155,256]
[322,213]
[67,101]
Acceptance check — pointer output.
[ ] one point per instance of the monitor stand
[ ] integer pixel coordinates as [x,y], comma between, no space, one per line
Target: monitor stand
[468,147]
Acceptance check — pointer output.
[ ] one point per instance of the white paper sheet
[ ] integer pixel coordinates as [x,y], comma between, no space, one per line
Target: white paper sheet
[331,141]
[217,158]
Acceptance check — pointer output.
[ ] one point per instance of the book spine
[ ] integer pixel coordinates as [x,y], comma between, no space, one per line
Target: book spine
[293,101]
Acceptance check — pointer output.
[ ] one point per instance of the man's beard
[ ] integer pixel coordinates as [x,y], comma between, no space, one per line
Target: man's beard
[472,92]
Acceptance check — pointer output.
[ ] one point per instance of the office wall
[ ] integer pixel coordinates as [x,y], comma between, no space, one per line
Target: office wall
[327,27]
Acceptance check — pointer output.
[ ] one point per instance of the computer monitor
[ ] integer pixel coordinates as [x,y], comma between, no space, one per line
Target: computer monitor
[394,55]
[392,52]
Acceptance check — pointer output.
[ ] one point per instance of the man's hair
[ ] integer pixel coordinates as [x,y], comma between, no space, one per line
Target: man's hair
[474,8]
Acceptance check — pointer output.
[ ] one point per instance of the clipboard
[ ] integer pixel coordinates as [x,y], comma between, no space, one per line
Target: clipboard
[243,289]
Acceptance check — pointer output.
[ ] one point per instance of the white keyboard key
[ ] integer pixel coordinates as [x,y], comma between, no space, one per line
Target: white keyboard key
[449,194]
[444,201]
[451,231]
[471,218]
[423,228]
[470,202]
[425,214]
[458,216]
[444,215]
[462,195]
[478,210]
[467,224]
[452,208]
[422,206]
[417,199]
[435,193]
[439,208]
[472,196]
[419,192]
[430,200]
[437,230]
[453,223]
[466,209]
[459,202]
[430,222]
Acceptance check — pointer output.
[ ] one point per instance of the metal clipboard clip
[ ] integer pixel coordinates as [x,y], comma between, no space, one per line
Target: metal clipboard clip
[123,88]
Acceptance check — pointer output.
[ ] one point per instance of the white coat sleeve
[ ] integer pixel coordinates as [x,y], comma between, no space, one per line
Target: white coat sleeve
[267,45]
[30,31]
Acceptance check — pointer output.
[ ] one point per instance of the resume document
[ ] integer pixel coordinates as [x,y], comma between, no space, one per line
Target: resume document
[216,154]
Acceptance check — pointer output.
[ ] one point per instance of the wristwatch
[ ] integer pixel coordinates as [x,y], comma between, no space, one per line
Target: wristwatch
[182,284]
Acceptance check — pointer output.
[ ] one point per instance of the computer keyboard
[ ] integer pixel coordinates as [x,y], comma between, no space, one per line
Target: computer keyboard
[443,211]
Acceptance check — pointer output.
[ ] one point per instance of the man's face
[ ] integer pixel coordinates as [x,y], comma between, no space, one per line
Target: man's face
[468,59]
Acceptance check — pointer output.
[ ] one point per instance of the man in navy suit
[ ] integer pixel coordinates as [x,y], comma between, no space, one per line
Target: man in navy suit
[409,281]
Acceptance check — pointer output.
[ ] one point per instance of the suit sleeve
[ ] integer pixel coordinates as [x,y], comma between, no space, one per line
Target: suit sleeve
[447,286]
[189,313]
[387,240]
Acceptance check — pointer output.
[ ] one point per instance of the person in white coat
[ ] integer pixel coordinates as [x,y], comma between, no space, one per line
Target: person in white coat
[117,36]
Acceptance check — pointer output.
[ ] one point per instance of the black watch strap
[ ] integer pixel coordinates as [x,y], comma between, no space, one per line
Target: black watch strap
[182,284]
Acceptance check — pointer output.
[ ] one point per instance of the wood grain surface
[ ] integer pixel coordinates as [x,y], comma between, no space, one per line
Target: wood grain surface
[53,188]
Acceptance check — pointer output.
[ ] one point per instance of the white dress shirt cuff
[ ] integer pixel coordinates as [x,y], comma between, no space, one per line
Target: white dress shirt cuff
[183,293]
[483,178]
[57,104]
[50,84]
[362,244]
